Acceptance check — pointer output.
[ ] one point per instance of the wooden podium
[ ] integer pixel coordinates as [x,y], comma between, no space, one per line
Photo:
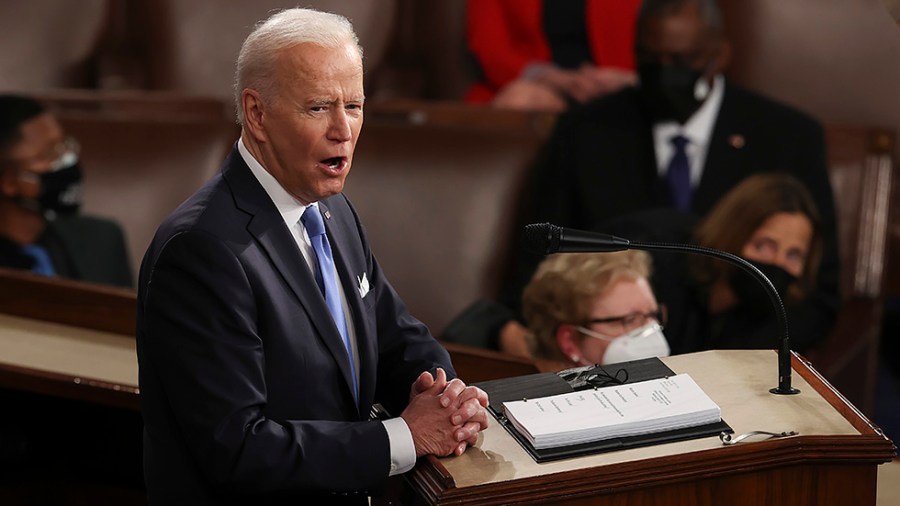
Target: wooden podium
[833,460]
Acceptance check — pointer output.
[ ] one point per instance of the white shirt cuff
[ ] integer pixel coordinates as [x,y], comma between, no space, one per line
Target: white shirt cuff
[403,451]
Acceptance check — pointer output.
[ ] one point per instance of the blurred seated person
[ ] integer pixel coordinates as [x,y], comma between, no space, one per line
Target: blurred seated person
[593,308]
[545,55]
[771,221]
[41,229]
[680,140]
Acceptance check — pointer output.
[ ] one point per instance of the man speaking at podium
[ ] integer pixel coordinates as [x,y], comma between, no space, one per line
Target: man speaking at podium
[266,329]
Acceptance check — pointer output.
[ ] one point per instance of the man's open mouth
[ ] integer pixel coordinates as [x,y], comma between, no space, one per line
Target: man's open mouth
[334,162]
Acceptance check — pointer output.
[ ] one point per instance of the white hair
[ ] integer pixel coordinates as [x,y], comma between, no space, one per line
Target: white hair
[256,62]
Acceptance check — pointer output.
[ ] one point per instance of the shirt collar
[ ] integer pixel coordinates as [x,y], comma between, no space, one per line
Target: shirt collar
[290,208]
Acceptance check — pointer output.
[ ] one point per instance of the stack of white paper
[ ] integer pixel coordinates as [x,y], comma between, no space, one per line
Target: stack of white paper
[616,411]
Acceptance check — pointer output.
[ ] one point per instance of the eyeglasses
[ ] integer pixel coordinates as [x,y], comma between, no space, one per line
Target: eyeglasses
[64,153]
[619,325]
[594,376]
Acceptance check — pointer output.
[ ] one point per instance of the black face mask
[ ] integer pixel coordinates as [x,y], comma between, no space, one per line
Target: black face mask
[752,295]
[668,91]
[61,191]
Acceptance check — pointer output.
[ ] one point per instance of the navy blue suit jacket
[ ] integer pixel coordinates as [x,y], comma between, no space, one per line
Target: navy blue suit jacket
[245,383]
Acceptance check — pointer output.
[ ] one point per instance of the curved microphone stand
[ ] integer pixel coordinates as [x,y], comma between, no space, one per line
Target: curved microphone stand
[549,238]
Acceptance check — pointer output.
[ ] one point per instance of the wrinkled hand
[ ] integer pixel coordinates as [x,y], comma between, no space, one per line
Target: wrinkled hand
[470,415]
[424,382]
[444,417]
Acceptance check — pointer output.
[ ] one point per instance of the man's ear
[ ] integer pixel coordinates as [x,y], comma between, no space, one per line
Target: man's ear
[254,114]
[567,340]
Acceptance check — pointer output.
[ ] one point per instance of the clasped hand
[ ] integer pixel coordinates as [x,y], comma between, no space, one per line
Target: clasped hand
[443,416]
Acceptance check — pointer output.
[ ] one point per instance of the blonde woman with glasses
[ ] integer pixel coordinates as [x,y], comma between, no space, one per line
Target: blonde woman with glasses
[594,308]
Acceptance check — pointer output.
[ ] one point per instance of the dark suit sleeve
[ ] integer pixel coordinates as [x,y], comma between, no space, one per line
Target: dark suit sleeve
[405,349]
[201,337]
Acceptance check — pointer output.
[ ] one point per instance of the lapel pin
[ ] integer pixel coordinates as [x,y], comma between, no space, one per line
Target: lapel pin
[327,215]
[737,141]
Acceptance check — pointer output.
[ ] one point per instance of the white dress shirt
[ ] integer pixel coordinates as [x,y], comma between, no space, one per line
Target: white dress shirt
[697,130]
[403,451]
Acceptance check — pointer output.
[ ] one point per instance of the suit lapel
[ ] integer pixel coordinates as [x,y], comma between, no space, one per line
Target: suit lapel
[646,187]
[659,194]
[269,230]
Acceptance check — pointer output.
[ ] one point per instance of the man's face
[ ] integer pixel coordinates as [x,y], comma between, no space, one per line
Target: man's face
[680,37]
[309,129]
[41,145]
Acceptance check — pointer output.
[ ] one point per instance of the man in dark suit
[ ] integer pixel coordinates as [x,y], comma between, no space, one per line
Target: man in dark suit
[41,229]
[619,155]
[266,329]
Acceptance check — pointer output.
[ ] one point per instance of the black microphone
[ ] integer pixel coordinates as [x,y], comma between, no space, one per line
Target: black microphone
[548,238]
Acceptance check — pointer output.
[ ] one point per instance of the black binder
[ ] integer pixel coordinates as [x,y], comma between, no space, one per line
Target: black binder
[533,386]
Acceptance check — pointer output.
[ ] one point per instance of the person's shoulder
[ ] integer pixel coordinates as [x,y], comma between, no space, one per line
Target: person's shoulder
[198,209]
[616,109]
[209,212]
[86,223]
[205,222]
[89,233]
[772,110]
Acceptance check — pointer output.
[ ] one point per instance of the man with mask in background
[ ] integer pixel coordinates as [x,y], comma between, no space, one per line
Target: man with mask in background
[42,231]
[40,195]
[680,139]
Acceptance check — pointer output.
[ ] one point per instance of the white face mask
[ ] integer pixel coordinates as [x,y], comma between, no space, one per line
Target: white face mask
[643,342]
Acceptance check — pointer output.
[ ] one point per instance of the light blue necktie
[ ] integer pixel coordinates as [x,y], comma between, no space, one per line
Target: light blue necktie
[325,277]
[42,263]
[679,174]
